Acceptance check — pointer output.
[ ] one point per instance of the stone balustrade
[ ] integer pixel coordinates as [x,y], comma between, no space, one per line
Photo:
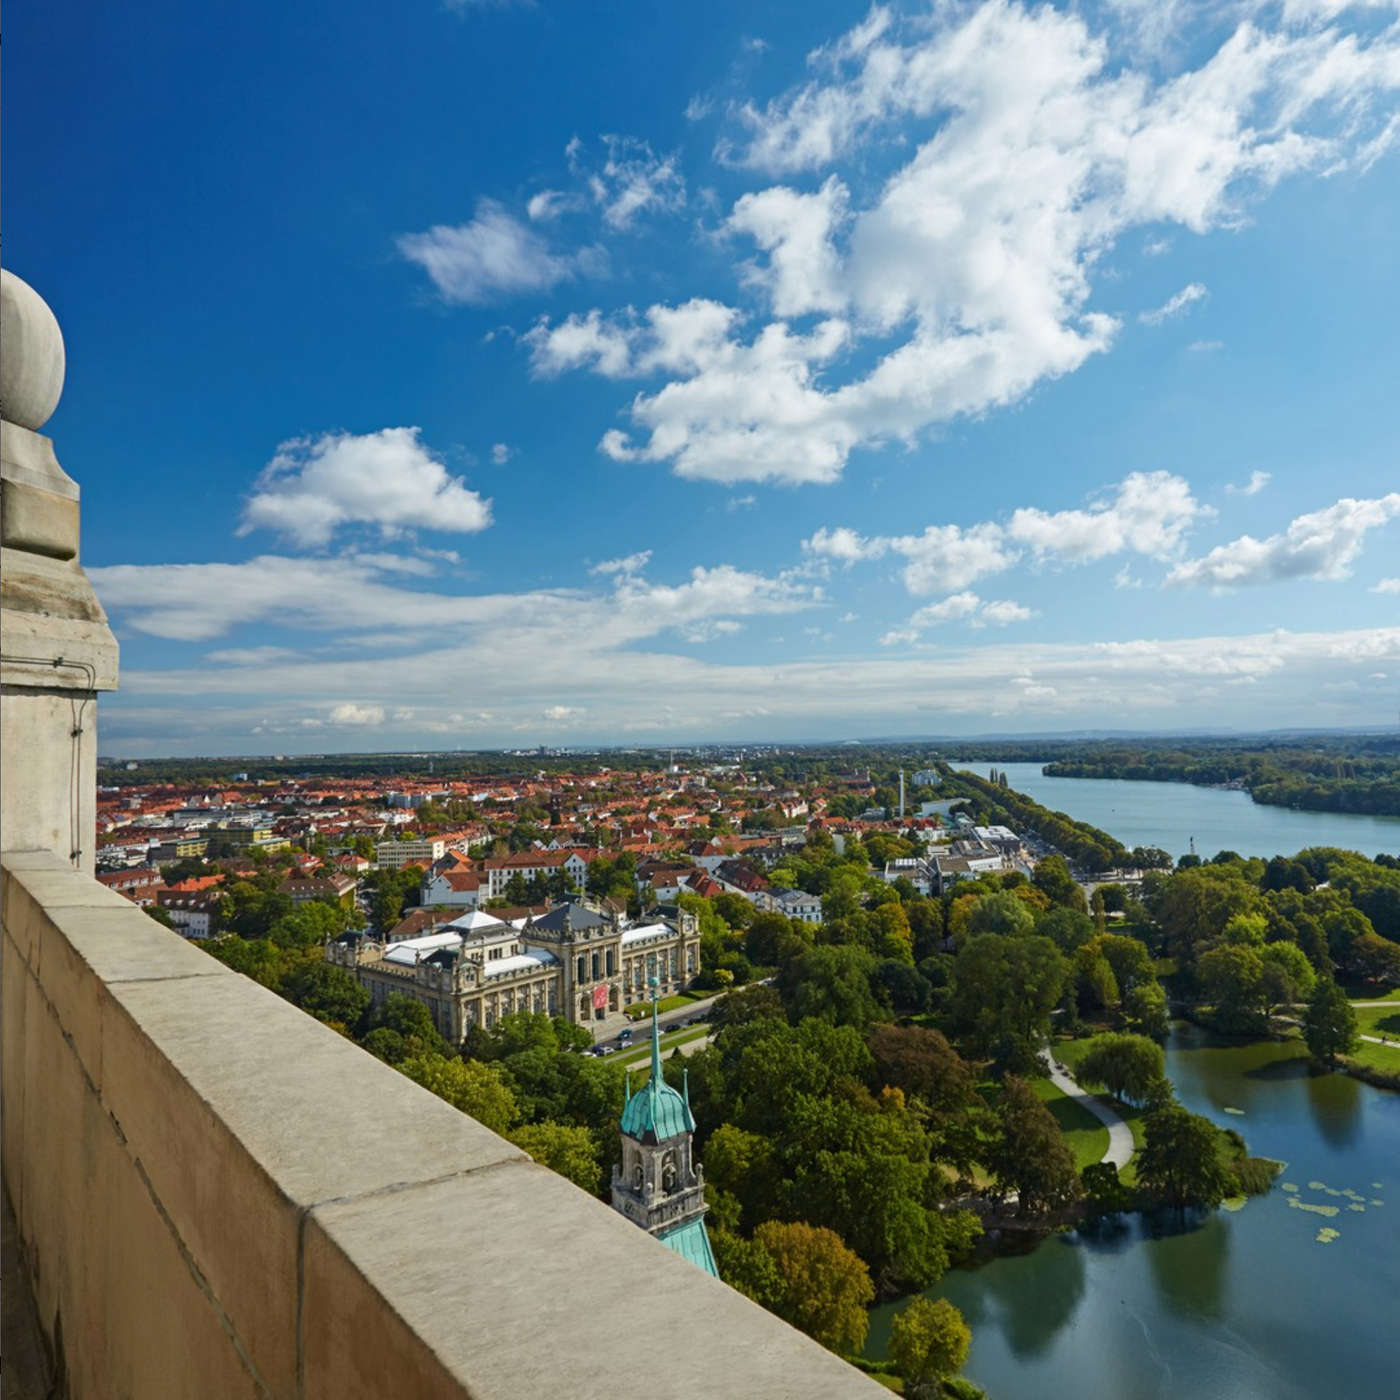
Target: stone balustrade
[218,1196]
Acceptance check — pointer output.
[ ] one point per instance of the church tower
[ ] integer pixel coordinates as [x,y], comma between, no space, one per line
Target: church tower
[659,1185]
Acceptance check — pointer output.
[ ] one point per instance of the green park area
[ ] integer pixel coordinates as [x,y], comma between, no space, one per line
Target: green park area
[1383,1021]
[637,1009]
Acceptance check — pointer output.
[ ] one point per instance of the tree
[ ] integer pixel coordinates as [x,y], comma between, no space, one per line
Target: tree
[1329,1024]
[1104,1193]
[1052,877]
[1232,978]
[1145,1011]
[1180,1159]
[1126,1065]
[1006,986]
[1288,975]
[1000,913]
[922,1064]
[470,1086]
[928,1341]
[747,1266]
[832,984]
[328,993]
[565,1148]
[824,1288]
[1030,1155]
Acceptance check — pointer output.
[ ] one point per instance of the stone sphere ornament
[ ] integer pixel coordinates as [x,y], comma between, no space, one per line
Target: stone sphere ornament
[31,354]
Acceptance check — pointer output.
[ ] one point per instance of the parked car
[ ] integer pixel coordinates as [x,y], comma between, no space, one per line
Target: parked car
[604,1049]
[624,1037]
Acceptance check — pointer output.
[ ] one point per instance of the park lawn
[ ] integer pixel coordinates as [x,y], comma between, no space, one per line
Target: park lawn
[1086,1136]
[1070,1053]
[1379,1020]
[668,1043]
[1385,1057]
[639,1009]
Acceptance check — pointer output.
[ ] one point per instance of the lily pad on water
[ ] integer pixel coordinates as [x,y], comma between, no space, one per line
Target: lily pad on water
[1326,1235]
[1290,1186]
[1328,1211]
[1377,1203]
[1356,1205]
[1238,1112]
[1234,1202]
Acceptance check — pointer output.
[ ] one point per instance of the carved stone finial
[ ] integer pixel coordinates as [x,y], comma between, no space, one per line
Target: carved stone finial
[32,366]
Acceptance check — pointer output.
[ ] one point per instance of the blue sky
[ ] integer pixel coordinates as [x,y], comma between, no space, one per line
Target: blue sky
[467,375]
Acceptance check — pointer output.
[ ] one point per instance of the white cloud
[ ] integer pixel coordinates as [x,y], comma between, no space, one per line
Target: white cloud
[964,607]
[1175,305]
[198,602]
[1001,612]
[967,277]
[1147,513]
[1205,346]
[559,713]
[628,686]
[1387,585]
[500,454]
[632,180]
[1321,545]
[493,256]
[803,271]
[315,485]
[628,564]
[740,503]
[1257,482]
[351,714]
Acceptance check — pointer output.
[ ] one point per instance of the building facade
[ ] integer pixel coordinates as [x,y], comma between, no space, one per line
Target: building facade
[573,961]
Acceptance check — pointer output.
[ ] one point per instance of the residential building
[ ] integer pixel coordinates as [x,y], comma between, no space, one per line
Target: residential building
[531,865]
[796,904]
[395,854]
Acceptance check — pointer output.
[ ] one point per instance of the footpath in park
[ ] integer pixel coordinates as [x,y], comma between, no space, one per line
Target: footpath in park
[1120,1136]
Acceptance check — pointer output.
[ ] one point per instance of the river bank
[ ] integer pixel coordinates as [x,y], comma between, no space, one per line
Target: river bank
[1173,816]
[1254,1304]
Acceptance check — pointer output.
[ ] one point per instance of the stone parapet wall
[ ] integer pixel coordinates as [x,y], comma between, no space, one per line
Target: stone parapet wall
[218,1196]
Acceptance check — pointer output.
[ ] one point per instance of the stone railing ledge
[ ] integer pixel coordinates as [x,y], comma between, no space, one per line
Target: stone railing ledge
[218,1195]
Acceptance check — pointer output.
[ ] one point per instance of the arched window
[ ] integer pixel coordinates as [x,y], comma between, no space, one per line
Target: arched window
[668,1173]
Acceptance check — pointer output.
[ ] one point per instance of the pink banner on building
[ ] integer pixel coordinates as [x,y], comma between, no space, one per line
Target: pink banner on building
[600,997]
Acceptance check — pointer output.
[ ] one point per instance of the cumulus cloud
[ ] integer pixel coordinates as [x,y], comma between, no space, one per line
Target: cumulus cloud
[1147,513]
[350,714]
[1387,585]
[1257,482]
[500,454]
[959,607]
[1175,305]
[1321,545]
[491,257]
[966,279]
[803,272]
[315,485]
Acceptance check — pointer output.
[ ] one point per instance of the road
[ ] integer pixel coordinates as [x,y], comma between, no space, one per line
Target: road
[1120,1137]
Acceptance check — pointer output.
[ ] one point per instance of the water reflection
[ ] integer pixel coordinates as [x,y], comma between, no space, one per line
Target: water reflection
[1190,1266]
[1035,1303]
[1335,1103]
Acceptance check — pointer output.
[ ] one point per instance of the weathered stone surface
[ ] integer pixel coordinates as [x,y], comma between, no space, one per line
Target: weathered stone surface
[220,1196]
[486,1277]
[31,369]
[40,522]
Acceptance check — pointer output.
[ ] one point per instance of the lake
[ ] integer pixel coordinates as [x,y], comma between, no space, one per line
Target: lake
[1248,1305]
[1170,814]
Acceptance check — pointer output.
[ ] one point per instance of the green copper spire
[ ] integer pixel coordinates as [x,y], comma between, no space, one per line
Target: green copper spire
[656,1112]
[655,1036]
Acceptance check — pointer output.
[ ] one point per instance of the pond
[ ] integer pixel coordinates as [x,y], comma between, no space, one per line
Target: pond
[1244,1305]
[1169,815]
